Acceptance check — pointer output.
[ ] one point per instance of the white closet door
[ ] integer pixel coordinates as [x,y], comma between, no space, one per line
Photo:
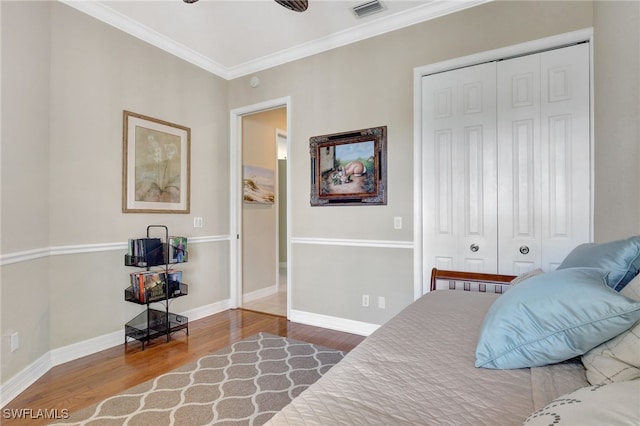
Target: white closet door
[543,165]
[519,164]
[459,170]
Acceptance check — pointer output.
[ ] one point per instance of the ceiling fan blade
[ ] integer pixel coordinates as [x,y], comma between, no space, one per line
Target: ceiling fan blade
[295,5]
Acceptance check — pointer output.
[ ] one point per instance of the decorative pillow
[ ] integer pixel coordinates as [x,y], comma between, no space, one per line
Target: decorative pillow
[615,360]
[611,404]
[632,290]
[621,257]
[553,317]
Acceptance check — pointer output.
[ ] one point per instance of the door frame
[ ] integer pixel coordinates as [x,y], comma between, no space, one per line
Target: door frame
[280,134]
[420,276]
[235,194]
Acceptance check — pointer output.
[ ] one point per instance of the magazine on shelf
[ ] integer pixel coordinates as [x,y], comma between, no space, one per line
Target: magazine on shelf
[154,285]
[177,249]
[174,281]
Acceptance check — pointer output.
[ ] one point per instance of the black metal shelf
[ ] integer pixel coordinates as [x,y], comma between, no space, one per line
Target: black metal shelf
[155,323]
[152,324]
[131,296]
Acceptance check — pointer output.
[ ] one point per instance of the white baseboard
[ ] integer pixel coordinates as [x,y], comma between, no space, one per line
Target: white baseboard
[21,381]
[25,378]
[259,294]
[333,323]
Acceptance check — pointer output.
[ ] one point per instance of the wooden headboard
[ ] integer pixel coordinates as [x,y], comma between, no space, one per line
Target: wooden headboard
[497,280]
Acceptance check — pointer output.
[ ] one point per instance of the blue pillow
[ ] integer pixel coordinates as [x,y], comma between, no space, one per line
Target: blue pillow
[621,257]
[551,318]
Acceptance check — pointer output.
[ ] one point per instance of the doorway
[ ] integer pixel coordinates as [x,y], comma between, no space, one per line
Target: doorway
[259,151]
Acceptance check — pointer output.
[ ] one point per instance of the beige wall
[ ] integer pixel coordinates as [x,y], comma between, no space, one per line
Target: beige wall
[96,73]
[25,286]
[66,79]
[25,126]
[617,119]
[368,84]
[259,221]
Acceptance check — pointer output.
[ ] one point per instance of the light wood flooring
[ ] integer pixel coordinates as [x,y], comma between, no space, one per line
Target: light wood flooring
[89,380]
[276,303]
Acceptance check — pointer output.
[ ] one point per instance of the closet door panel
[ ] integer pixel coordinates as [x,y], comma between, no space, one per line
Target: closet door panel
[566,152]
[519,195]
[544,199]
[459,170]
[439,228]
[443,176]
[476,170]
[475,196]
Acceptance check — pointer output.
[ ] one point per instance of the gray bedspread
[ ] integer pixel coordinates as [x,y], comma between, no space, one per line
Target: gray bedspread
[419,369]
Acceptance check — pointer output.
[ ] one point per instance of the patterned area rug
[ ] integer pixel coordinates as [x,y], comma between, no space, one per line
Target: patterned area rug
[243,384]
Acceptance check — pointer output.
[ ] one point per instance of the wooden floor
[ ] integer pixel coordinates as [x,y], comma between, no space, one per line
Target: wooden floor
[89,380]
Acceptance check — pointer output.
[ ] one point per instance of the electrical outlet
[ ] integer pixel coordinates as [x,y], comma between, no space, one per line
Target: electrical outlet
[15,342]
[198,222]
[365,300]
[381,302]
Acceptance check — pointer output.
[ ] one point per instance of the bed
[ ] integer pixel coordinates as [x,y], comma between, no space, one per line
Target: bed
[420,368]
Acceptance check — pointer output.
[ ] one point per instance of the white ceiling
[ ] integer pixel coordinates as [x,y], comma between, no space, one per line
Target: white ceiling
[232,38]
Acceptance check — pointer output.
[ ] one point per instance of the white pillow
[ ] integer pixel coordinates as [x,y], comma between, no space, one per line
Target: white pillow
[632,290]
[611,404]
[526,275]
[615,360]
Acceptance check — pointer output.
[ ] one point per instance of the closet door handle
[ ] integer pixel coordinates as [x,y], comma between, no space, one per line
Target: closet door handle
[474,248]
[524,249]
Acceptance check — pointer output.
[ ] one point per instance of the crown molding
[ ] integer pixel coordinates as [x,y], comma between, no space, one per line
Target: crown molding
[372,28]
[144,33]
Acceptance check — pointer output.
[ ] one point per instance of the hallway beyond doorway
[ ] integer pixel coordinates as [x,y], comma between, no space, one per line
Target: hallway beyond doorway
[275,304]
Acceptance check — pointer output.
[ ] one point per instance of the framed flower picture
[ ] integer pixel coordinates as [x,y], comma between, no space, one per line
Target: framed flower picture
[156,163]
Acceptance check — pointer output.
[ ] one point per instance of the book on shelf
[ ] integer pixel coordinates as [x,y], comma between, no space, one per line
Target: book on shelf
[177,249]
[133,279]
[148,285]
[146,251]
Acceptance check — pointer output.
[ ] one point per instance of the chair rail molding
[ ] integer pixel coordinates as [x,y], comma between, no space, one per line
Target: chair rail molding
[38,253]
[353,242]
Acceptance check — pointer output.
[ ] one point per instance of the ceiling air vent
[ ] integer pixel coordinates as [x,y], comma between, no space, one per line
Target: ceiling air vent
[368,8]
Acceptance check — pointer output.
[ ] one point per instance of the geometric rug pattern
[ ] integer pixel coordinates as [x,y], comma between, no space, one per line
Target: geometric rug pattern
[243,384]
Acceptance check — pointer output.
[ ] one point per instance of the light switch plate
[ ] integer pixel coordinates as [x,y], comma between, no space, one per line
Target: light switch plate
[397,222]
